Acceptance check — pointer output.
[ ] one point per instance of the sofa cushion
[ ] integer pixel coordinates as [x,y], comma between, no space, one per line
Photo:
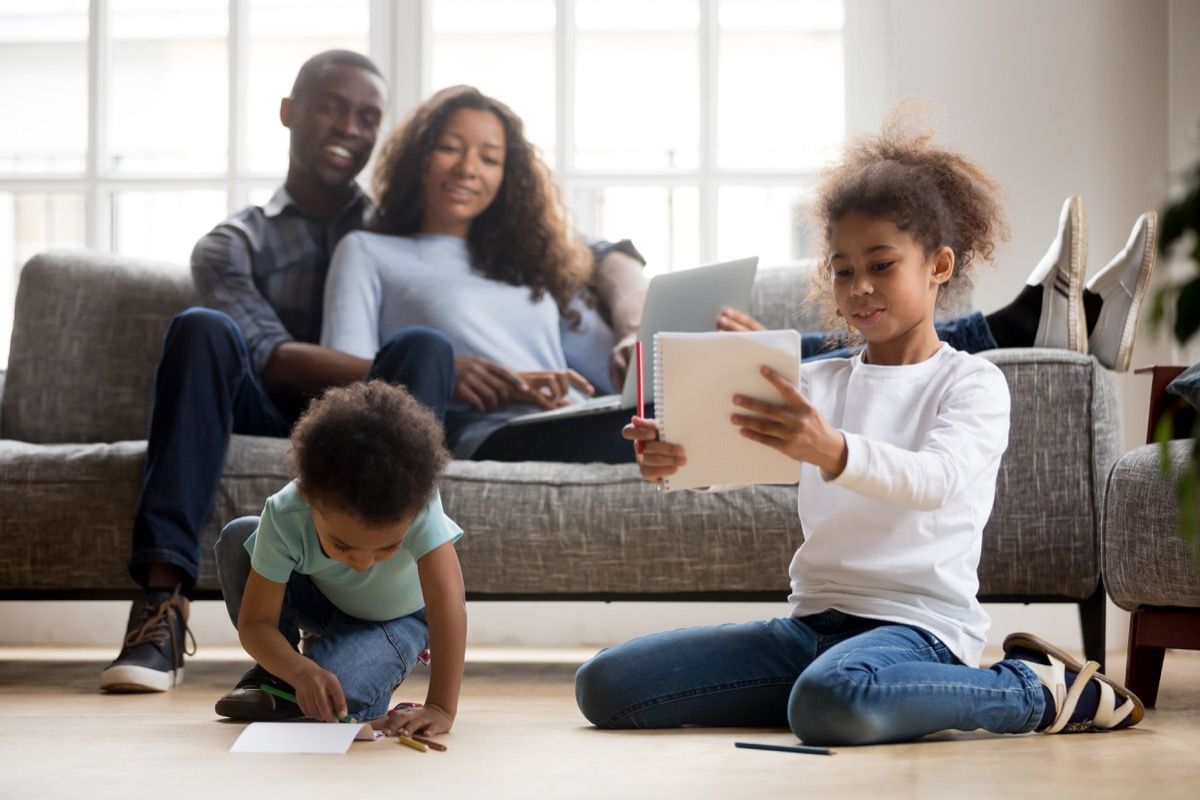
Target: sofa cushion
[87,333]
[1146,560]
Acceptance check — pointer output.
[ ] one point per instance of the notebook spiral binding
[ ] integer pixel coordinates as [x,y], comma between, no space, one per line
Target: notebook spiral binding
[659,407]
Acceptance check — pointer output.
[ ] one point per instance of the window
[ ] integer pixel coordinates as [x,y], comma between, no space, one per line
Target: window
[693,127]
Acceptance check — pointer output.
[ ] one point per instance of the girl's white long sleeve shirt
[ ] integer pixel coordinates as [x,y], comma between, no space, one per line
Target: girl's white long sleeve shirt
[897,535]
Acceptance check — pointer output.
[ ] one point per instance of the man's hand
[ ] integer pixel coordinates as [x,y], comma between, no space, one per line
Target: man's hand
[320,695]
[619,358]
[427,720]
[485,386]
[549,387]
[730,319]
[794,428]
[657,460]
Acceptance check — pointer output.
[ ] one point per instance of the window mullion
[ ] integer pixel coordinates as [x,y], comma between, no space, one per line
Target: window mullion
[709,45]
[564,90]
[239,37]
[98,230]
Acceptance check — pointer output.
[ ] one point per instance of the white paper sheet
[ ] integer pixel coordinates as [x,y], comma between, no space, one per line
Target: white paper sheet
[301,737]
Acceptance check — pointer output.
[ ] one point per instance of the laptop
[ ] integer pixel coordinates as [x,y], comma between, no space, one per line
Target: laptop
[687,302]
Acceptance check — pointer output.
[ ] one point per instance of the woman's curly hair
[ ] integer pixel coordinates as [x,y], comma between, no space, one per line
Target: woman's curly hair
[936,195]
[523,238]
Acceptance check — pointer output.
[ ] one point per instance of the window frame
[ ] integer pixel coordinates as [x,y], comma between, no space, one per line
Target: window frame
[400,38]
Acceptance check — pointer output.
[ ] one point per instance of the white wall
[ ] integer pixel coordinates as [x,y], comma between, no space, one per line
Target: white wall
[1055,97]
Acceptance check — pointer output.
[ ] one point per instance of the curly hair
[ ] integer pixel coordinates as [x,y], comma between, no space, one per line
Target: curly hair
[369,450]
[523,238]
[937,196]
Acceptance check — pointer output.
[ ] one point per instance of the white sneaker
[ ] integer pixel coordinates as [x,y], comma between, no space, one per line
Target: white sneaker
[1122,286]
[1060,274]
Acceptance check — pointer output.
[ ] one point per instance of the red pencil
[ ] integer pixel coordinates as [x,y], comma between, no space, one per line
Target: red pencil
[641,411]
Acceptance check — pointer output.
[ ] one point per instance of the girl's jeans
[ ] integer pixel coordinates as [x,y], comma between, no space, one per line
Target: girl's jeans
[831,677]
[370,659]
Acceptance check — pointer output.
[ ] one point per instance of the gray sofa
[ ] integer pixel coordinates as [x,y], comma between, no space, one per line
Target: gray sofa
[75,405]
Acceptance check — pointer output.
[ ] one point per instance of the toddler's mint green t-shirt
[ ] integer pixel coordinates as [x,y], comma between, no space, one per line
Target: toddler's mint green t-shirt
[286,542]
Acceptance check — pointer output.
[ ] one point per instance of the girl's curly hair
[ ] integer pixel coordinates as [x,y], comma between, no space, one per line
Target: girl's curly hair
[938,196]
[523,238]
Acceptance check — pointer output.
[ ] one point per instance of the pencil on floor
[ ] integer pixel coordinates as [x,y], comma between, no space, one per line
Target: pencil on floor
[786,748]
[427,741]
[415,745]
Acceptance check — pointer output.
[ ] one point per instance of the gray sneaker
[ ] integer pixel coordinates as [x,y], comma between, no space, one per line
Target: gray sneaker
[1060,274]
[1122,286]
[156,640]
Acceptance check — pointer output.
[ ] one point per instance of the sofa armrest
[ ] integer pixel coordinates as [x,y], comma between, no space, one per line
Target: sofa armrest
[1043,535]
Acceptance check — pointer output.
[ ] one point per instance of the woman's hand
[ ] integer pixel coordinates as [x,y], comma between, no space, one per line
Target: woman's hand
[618,360]
[427,720]
[730,319]
[657,460]
[319,695]
[485,386]
[549,387]
[795,428]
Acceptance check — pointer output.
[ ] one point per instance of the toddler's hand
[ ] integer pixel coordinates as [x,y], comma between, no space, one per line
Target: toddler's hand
[427,720]
[320,695]
[657,460]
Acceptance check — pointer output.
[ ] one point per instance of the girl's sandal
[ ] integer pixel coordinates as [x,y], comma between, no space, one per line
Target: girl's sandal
[1108,715]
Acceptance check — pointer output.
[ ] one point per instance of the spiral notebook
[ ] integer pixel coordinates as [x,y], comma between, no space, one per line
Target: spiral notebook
[695,378]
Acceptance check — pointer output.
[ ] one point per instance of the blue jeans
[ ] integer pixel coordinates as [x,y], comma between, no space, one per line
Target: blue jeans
[370,659]
[207,389]
[834,679]
[969,333]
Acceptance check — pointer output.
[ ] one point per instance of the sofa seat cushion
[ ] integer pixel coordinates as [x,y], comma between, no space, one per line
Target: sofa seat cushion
[533,528]
[1146,560]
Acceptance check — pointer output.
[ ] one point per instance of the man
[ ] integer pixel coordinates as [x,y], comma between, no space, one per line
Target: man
[248,361]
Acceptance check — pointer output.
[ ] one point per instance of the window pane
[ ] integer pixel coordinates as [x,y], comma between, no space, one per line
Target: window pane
[31,222]
[637,84]
[770,222]
[169,108]
[781,90]
[505,50]
[43,80]
[663,222]
[283,35]
[164,226]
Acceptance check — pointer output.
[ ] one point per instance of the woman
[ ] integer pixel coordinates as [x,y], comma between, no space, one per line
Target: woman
[470,237]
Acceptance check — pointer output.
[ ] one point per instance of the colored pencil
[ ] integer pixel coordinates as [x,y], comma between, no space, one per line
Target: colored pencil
[786,748]
[414,744]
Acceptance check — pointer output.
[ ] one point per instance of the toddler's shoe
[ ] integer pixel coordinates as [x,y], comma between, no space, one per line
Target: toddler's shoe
[1107,706]
[247,701]
[1062,324]
[1122,286]
[156,637]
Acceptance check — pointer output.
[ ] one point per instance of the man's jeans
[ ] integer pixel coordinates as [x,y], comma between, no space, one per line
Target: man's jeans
[370,659]
[205,390]
[969,333]
[833,678]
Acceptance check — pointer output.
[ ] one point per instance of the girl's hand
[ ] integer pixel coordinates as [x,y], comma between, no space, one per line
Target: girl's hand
[657,460]
[795,428]
[320,695]
[549,387]
[730,319]
[483,385]
[427,720]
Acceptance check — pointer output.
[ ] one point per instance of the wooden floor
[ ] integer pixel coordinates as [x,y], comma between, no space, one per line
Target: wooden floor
[519,735]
